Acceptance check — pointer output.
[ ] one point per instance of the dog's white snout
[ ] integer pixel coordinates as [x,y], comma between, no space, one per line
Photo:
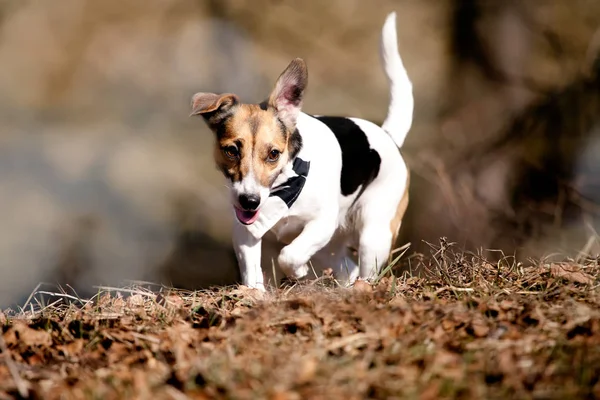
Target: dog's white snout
[248,193]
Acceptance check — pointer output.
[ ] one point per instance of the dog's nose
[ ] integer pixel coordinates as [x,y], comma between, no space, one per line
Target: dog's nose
[249,202]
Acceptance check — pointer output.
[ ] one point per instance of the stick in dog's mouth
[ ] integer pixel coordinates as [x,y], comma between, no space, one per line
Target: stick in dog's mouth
[246,217]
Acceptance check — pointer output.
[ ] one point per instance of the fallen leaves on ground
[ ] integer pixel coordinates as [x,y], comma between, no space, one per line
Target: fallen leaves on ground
[573,273]
[515,333]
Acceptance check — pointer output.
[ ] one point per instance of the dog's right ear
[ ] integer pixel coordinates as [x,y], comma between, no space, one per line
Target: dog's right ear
[213,107]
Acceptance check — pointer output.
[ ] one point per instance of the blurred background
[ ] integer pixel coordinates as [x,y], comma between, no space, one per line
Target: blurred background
[105,179]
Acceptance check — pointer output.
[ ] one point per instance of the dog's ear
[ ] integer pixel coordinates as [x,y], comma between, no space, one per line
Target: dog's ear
[286,97]
[213,107]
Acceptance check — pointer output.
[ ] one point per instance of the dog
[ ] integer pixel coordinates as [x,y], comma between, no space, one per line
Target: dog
[314,187]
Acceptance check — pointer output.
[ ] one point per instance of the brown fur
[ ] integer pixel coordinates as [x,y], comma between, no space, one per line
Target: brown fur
[402,206]
[255,132]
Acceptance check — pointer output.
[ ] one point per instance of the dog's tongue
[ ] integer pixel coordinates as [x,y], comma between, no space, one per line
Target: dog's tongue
[246,217]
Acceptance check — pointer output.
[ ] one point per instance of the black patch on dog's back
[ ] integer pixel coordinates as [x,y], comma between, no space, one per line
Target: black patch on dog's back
[360,163]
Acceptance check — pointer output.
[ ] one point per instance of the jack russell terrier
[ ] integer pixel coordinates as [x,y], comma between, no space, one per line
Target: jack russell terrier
[314,186]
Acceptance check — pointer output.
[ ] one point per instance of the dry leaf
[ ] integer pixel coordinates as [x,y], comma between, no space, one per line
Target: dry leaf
[118,303]
[246,292]
[448,364]
[307,371]
[480,328]
[284,395]
[431,392]
[136,300]
[438,333]
[104,299]
[384,286]
[361,286]
[571,273]
[32,337]
[506,361]
[507,305]
[460,317]
[447,324]
[117,352]
[399,302]
[175,300]
[499,332]
[73,348]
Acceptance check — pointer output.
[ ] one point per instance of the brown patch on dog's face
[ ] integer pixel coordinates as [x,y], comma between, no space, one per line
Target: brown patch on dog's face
[252,140]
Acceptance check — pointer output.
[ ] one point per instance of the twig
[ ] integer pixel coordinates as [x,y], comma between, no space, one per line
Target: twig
[31,295]
[399,249]
[357,340]
[145,337]
[67,296]
[126,290]
[453,288]
[12,368]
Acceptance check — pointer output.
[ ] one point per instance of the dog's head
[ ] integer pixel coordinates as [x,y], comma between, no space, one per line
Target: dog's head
[255,141]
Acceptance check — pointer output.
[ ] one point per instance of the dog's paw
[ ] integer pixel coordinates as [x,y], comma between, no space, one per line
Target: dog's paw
[299,272]
[258,287]
[257,293]
[294,265]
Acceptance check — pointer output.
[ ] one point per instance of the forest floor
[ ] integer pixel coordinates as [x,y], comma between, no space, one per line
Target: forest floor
[463,328]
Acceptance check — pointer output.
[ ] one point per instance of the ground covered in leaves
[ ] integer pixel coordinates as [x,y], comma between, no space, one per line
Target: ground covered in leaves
[464,328]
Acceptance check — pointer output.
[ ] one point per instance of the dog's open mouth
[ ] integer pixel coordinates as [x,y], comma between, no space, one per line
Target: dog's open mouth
[246,217]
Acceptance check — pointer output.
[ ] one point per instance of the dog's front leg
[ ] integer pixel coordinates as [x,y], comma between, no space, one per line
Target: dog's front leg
[248,252]
[293,259]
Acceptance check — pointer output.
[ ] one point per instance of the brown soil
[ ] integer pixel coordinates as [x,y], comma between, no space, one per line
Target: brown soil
[465,328]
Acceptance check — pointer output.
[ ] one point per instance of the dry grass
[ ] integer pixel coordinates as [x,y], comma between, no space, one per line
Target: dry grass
[465,328]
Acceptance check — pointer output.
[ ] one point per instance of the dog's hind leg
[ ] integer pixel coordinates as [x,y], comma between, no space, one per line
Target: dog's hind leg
[374,248]
[375,233]
[379,215]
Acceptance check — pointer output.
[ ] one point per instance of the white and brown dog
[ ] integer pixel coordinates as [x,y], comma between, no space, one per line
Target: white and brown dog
[312,186]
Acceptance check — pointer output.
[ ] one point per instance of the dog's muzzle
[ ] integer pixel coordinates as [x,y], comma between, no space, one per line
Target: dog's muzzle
[248,213]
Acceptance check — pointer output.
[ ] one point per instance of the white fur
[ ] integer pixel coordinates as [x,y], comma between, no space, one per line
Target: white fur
[322,223]
[249,185]
[400,109]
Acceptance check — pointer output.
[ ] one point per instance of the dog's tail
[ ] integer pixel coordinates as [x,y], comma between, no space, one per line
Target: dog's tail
[400,111]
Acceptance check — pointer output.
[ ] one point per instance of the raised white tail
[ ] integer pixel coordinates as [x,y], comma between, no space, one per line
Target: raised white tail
[400,111]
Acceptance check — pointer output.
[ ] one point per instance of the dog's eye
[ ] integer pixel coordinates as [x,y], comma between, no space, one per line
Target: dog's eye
[273,155]
[231,152]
